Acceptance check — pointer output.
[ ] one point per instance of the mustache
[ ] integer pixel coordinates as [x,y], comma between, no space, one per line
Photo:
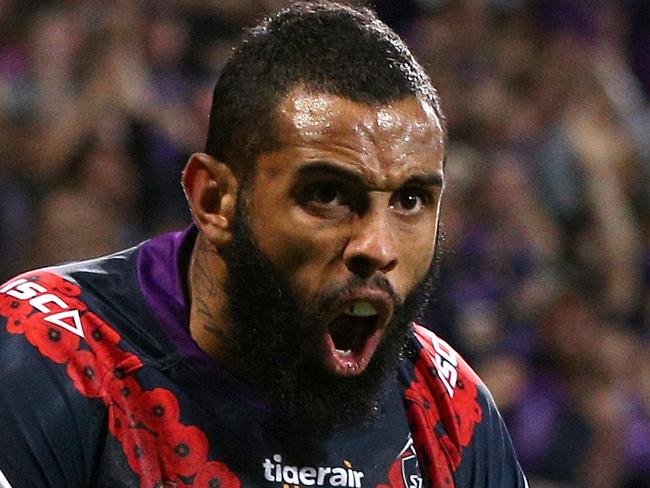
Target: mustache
[334,296]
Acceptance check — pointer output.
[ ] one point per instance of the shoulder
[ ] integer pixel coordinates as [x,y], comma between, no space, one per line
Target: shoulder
[44,307]
[46,411]
[447,397]
[77,298]
[444,396]
[456,387]
[437,357]
[444,382]
[46,312]
[53,328]
[45,317]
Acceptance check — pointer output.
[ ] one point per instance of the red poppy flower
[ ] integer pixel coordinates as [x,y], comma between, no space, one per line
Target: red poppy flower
[52,341]
[109,356]
[119,422]
[184,449]
[432,448]
[418,392]
[423,414]
[98,333]
[139,446]
[158,408]
[422,391]
[118,363]
[13,307]
[125,392]
[86,373]
[16,324]
[469,411]
[216,475]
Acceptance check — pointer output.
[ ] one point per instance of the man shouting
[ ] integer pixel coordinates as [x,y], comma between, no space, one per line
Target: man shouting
[271,343]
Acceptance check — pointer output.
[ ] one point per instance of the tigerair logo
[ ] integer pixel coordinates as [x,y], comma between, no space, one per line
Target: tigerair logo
[296,476]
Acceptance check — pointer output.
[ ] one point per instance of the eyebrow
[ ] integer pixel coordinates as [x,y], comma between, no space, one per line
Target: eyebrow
[432,179]
[426,179]
[320,167]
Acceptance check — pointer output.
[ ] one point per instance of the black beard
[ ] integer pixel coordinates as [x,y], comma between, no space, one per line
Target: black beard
[272,346]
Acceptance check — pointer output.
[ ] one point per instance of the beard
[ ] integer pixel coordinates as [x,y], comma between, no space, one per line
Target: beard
[276,340]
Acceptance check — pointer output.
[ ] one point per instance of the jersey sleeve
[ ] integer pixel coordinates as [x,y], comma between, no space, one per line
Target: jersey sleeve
[47,429]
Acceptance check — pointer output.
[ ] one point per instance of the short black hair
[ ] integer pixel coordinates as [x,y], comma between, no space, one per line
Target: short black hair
[323,46]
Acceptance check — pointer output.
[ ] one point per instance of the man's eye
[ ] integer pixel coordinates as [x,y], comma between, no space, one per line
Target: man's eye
[326,194]
[410,201]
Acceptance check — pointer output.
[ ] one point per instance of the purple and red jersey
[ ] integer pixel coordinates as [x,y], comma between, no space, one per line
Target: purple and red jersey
[101,385]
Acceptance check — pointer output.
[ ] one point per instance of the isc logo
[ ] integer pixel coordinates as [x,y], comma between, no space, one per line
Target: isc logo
[446,362]
[39,298]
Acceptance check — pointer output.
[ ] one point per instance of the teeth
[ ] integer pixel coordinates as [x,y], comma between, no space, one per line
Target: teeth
[347,352]
[360,309]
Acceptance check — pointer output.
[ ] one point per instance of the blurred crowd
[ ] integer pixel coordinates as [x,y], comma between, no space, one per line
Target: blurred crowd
[545,277]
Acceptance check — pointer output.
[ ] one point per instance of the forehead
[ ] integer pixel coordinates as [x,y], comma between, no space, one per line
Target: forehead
[388,137]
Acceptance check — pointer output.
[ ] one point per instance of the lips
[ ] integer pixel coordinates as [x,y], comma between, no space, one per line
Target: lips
[355,331]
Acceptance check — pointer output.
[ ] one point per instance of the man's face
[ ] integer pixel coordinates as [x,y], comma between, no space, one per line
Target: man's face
[347,213]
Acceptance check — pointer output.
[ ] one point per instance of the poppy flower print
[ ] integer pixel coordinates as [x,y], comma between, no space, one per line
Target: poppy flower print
[436,458]
[51,340]
[98,334]
[447,419]
[158,408]
[216,475]
[13,307]
[157,446]
[119,422]
[465,402]
[16,324]
[141,451]
[86,373]
[121,391]
[184,448]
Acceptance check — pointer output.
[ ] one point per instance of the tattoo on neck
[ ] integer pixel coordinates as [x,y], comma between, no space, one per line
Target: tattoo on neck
[204,284]
[203,309]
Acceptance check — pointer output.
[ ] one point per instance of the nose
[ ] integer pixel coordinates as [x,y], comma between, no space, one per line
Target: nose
[372,246]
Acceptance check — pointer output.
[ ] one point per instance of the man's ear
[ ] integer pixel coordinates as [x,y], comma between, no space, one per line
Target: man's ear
[211,190]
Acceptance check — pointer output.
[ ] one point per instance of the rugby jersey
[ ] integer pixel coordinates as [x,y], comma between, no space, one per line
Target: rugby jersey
[102,385]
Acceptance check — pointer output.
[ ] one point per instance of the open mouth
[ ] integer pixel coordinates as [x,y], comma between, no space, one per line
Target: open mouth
[354,335]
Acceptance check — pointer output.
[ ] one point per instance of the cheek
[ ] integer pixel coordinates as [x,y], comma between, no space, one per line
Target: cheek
[305,254]
[417,250]
[415,262]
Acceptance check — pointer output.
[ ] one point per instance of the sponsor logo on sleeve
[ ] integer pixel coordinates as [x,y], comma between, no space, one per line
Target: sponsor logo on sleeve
[43,300]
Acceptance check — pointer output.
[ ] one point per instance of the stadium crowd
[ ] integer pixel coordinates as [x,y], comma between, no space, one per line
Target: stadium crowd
[545,276]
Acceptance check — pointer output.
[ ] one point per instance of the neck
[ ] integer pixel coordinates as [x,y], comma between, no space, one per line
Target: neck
[208,314]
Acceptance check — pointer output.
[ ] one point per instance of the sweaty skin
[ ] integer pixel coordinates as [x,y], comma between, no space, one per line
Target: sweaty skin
[354,191]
